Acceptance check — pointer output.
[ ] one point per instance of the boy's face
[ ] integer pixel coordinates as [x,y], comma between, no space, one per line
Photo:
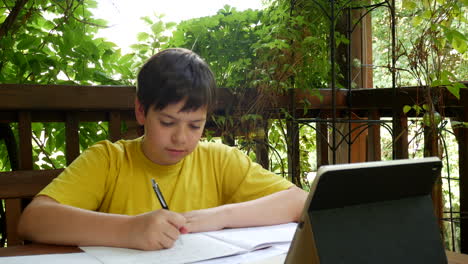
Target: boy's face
[170,135]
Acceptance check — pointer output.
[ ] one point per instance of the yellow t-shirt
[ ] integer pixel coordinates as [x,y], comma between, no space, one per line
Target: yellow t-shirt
[116,178]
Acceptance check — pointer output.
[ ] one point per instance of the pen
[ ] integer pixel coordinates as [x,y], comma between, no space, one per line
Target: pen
[161,199]
[159,195]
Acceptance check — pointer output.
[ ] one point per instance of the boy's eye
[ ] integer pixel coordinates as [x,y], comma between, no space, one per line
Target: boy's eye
[166,123]
[194,127]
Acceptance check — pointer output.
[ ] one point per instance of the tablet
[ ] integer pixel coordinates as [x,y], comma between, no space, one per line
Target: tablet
[371,212]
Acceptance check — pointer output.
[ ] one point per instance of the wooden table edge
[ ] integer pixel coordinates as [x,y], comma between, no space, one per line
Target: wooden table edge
[37,249]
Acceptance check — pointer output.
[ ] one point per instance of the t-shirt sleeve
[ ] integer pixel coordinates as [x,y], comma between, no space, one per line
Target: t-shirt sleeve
[83,183]
[245,180]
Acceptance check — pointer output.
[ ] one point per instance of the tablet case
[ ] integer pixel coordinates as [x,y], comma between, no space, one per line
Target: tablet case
[372,212]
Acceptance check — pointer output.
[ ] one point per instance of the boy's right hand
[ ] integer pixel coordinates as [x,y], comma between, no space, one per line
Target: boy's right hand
[156,230]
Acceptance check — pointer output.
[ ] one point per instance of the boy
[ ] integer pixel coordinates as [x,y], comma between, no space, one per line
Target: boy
[105,196]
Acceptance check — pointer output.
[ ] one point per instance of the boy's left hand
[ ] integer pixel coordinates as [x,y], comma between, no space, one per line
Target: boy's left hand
[205,219]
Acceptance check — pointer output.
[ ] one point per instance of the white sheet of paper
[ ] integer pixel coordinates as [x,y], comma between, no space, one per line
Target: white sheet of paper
[195,247]
[201,246]
[256,237]
[69,258]
[248,257]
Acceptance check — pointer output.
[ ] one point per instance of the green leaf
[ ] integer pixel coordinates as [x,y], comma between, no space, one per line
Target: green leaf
[91,3]
[440,82]
[460,45]
[2,18]
[147,20]
[170,25]
[48,25]
[406,109]
[126,58]
[19,59]
[427,14]
[453,89]
[142,36]
[416,21]
[426,3]
[28,42]
[35,66]
[409,5]
[417,108]
[157,28]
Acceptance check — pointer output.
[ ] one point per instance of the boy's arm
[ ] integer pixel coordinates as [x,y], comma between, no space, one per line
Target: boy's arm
[277,208]
[46,221]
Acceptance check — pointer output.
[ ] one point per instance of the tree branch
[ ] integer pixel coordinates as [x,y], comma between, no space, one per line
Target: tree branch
[8,23]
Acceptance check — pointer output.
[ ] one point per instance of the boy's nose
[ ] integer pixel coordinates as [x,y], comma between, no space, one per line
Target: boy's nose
[180,136]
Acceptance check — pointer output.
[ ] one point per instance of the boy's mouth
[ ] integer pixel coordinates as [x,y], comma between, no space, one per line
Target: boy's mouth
[176,151]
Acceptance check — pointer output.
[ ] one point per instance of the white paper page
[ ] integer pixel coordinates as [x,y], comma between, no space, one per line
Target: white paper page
[195,247]
[278,259]
[247,257]
[285,247]
[252,238]
[69,258]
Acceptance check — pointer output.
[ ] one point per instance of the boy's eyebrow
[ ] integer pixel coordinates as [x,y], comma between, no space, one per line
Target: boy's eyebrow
[172,117]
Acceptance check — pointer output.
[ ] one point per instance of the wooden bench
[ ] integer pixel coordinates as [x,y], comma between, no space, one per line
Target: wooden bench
[16,187]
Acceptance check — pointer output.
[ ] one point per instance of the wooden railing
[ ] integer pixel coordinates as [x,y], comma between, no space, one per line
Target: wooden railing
[25,104]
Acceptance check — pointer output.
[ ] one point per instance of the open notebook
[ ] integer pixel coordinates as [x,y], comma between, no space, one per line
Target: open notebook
[201,246]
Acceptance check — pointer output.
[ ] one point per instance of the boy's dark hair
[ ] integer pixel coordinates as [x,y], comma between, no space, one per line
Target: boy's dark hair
[173,75]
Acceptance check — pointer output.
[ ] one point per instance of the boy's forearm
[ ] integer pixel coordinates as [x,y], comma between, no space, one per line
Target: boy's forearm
[47,221]
[281,207]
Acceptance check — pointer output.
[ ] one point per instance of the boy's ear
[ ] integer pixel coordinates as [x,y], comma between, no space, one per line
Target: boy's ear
[139,112]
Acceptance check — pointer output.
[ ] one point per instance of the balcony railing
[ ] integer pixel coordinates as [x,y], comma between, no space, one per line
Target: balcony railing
[348,127]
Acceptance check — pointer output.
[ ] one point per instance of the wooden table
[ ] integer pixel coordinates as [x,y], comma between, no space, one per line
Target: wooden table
[456,258]
[37,249]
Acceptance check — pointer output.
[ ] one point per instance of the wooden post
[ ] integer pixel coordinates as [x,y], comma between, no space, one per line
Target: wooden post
[373,138]
[292,139]
[358,146]
[72,141]
[431,149]
[14,207]
[25,141]
[359,76]
[462,137]
[261,146]
[294,168]
[114,126]
[322,141]
[400,134]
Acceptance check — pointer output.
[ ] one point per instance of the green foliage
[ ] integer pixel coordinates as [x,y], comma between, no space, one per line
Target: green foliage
[431,44]
[272,50]
[225,41]
[284,47]
[151,41]
[293,49]
[48,145]
[54,43]
[91,132]
[278,149]
[50,42]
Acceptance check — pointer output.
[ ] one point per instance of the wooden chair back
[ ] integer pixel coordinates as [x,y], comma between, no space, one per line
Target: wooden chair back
[25,104]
